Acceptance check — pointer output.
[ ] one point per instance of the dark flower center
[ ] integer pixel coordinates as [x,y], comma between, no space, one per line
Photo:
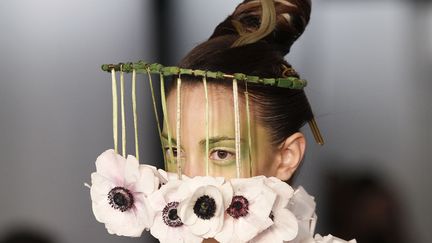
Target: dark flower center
[205,207]
[239,207]
[120,198]
[169,215]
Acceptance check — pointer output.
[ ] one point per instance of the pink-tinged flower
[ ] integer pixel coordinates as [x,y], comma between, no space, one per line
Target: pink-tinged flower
[330,239]
[119,193]
[203,211]
[168,226]
[249,210]
[285,226]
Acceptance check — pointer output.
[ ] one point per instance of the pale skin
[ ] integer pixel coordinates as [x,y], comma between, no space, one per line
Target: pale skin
[280,160]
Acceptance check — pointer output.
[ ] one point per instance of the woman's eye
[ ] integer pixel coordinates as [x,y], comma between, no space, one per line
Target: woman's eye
[168,154]
[221,155]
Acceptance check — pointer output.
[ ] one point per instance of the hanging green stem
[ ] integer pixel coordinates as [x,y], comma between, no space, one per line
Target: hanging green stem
[178,129]
[206,125]
[123,117]
[165,114]
[237,128]
[115,104]
[157,117]
[135,119]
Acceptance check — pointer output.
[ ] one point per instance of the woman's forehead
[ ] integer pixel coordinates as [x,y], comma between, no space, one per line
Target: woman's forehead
[193,109]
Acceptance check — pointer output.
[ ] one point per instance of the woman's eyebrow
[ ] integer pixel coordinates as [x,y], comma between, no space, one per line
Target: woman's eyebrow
[216,140]
[173,140]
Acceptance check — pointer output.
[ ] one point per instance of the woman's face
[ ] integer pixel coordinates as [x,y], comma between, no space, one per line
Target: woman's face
[221,154]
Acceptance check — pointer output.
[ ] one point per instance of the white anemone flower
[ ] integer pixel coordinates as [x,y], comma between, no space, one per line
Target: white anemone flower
[168,226]
[249,210]
[119,193]
[203,211]
[285,227]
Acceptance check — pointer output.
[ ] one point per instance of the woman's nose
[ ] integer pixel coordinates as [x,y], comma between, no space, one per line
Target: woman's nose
[193,166]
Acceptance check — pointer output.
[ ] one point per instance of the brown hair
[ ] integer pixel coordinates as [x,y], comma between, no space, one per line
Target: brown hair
[241,44]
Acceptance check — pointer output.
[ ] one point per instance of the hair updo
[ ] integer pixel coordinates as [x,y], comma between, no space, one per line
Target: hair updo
[254,40]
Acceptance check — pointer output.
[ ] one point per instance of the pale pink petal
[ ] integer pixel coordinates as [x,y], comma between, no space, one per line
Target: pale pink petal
[112,166]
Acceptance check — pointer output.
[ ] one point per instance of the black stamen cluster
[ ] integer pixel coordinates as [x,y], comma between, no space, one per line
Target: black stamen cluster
[120,198]
[205,207]
[169,215]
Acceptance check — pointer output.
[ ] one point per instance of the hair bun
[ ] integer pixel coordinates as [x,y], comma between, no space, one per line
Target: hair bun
[278,22]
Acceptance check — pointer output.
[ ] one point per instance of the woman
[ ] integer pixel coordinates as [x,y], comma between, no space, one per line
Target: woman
[228,128]
[254,42]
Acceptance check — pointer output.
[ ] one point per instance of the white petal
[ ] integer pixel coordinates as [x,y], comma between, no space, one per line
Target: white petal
[145,214]
[280,187]
[263,204]
[216,224]
[132,173]
[112,166]
[200,227]
[186,212]
[268,235]
[302,204]
[259,223]
[244,230]
[100,188]
[147,181]
[285,223]
[159,229]
[227,193]
[157,201]
[227,231]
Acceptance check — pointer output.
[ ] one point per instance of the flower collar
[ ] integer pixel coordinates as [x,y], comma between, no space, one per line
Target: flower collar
[130,198]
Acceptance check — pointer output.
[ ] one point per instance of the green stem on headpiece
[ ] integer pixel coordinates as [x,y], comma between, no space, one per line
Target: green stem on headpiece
[237,128]
[157,117]
[178,129]
[123,117]
[249,132]
[115,104]
[135,119]
[165,114]
[206,125]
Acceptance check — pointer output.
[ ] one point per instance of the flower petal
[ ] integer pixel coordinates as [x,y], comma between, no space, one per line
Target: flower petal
[100,188]
[111,165]
[159,229]
[131,173]
[147,181]
[227,231]
[245,230]
[285,223]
